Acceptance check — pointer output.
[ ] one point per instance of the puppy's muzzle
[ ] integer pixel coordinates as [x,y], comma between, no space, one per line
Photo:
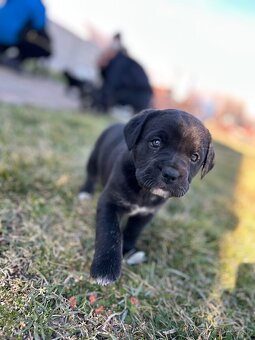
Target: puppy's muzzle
[173,179]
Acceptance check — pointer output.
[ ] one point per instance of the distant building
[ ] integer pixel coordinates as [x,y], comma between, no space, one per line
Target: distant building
[73,53]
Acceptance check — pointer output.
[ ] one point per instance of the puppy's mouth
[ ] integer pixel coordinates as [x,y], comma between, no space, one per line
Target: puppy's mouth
[161,189]
[169,192]
[160,192]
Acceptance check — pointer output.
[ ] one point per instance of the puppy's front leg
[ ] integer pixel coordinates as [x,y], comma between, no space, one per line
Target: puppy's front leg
[106,265]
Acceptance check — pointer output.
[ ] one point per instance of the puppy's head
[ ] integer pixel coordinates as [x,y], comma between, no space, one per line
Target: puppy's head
[169,147]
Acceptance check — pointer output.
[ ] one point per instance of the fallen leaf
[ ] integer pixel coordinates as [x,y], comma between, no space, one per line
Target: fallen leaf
[92,298]
[134,300]
[72,302]
[99,310]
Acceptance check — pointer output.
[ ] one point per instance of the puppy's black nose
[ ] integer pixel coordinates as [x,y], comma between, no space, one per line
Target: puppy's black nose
[170,174]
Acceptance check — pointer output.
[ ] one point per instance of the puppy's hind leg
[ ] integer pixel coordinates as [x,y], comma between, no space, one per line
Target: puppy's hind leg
[87,189]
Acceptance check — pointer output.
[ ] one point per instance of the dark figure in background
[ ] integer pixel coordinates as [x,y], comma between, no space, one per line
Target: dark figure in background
[23,26]
[124,83]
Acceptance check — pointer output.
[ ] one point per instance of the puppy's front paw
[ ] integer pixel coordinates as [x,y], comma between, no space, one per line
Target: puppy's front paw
[106,270]
[84,196]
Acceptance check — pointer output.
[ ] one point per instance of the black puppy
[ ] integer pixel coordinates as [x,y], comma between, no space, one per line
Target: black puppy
[142,164]
[85,88]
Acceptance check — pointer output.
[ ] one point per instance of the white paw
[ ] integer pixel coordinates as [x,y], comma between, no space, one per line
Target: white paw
[136,258]
[103,281]
[82,196]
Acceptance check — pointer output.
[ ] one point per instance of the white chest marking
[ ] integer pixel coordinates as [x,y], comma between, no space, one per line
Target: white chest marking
[136,209]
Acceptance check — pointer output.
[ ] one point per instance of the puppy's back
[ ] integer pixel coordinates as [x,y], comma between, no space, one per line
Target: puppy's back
[108,149]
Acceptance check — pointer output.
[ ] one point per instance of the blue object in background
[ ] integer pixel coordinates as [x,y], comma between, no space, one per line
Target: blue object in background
[15,15]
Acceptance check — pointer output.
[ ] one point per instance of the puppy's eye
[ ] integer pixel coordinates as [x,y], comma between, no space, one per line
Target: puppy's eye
[194,157]
[155,143]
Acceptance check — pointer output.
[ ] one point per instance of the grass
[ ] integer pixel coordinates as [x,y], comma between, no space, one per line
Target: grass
[198,283]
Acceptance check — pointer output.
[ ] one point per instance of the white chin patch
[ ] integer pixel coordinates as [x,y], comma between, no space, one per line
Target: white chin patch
[160,192]
[84,196]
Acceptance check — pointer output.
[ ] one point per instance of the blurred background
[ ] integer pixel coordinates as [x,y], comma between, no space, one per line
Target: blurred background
[68,69]
[197,55]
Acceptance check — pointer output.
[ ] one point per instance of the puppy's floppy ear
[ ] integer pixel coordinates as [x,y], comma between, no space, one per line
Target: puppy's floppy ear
[134,127]
[209,159]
